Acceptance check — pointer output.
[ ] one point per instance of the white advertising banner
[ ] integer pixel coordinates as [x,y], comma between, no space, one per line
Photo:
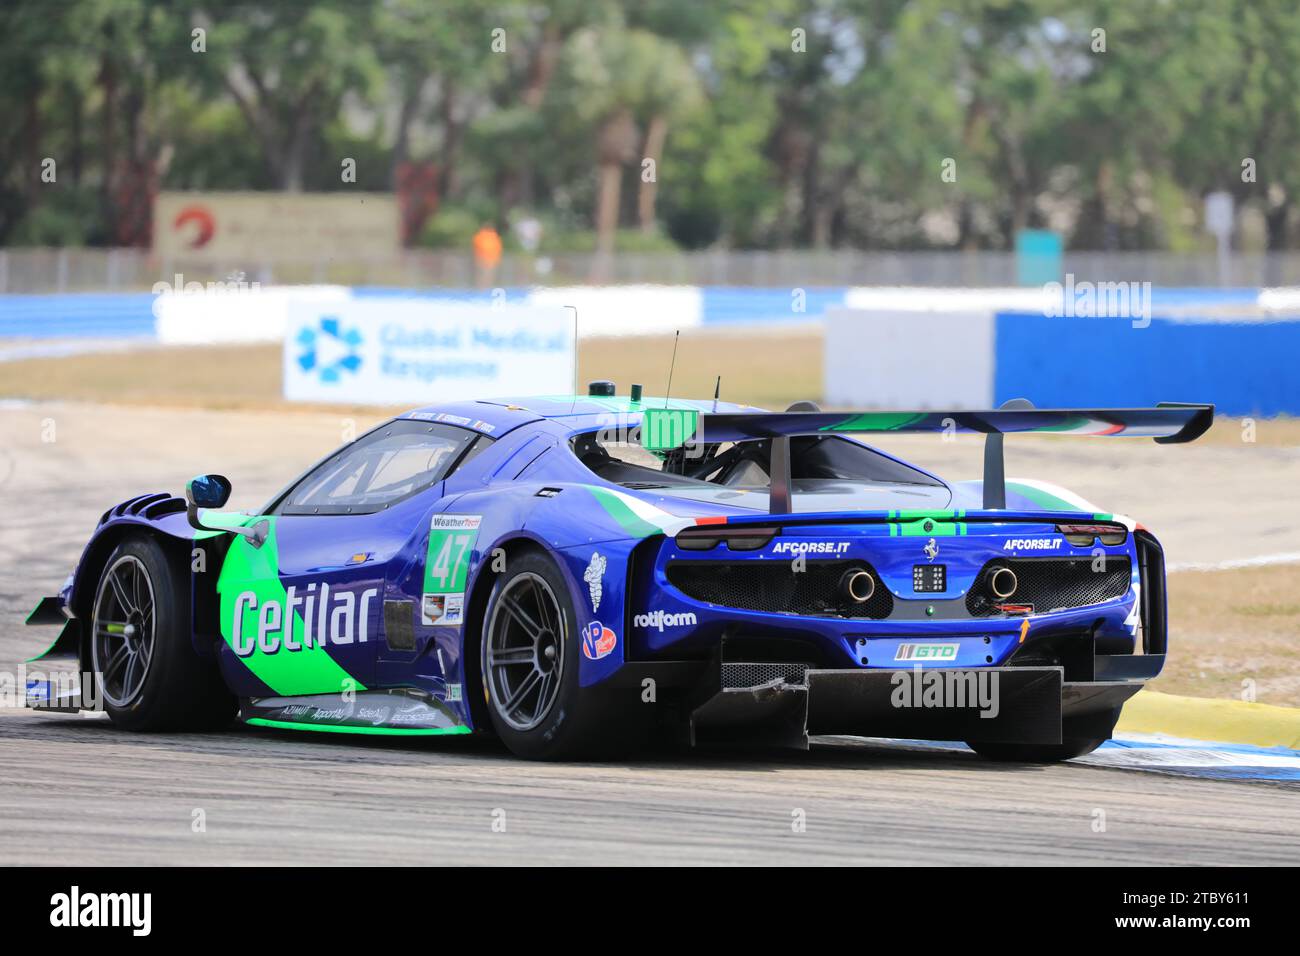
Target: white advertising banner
[397,351]
[228,314]
[889,358]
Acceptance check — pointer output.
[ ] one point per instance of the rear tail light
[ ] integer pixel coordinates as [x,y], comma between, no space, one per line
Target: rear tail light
[739,538]
[697,542]
[1083,535]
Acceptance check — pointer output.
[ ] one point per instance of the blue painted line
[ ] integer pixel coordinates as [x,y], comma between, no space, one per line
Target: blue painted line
[1201,745]
[1204,759]
[1235,773]
[723,305]
[512,293]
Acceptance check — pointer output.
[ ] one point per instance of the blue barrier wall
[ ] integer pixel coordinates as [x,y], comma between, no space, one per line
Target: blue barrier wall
[110,315]
[1244,368]
[90,315]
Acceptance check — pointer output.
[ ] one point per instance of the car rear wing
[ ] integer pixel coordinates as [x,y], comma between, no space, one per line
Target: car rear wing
[1167,423]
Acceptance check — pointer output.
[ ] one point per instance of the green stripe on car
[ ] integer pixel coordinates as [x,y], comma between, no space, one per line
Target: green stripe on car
[339,729]
[310,670]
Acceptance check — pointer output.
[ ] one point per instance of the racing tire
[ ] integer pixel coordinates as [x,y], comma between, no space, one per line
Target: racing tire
[1068,749]
[148,676]
[530,651]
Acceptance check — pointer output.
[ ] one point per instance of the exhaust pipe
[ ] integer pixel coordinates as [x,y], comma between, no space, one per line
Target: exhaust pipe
[1003,582]
[858,585]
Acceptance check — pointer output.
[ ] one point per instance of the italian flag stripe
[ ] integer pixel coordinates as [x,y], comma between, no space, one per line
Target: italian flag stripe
[638,517]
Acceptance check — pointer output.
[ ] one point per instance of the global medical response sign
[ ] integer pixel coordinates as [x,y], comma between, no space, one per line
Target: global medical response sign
[395,351]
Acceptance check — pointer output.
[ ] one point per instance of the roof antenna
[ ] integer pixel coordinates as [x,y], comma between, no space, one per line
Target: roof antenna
[677,335]
[575,356]
[717,390]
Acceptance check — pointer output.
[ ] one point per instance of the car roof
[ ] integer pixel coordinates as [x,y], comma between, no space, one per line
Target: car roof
[496,416]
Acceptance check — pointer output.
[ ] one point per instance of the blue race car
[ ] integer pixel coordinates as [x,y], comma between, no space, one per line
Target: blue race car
[578,574]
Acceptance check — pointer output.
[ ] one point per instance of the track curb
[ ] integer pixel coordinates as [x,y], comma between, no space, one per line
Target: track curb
[1198,718]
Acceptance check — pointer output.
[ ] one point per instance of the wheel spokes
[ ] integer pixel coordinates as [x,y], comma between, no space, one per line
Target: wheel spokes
[507,656]
[544,694]
[128,678]
[521,617]
[119,592]
[144,651]
[522,691]
[119,657]
[122,630]
[524,652]
[543,609]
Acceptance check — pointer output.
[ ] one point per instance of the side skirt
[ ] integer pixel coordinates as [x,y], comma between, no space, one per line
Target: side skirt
[396,711]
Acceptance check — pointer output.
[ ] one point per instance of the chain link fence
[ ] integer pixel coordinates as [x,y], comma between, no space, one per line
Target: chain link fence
[128,270]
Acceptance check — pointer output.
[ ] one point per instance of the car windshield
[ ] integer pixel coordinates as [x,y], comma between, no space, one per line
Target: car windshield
[830,465]
[381,468]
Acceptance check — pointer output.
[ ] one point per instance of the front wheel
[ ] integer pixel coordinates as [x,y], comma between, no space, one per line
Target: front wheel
[1037,753]
[530,660]
[147,674]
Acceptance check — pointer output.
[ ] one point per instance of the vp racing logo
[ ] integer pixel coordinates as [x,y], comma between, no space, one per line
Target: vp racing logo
[329,350]
[597,641]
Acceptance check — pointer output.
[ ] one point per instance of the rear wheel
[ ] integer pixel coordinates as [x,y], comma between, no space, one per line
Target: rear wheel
[530,655]
[147,674]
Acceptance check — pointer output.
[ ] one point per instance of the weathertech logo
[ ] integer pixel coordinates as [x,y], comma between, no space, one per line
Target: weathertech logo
[658,620]
[75,909]
[1032,544]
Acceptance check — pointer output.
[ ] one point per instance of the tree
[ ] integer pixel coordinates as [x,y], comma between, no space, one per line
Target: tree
[613,78]
[289,67]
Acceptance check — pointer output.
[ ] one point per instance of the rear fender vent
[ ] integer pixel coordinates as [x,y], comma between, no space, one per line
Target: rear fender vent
[399,625]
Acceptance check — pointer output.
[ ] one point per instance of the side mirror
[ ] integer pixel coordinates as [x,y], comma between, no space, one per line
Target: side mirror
[213,491]
[208,491]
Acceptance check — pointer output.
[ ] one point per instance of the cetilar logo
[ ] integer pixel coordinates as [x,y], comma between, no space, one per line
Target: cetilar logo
[329,350]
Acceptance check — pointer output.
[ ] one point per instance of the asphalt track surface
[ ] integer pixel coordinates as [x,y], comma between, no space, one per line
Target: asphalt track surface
[73,790]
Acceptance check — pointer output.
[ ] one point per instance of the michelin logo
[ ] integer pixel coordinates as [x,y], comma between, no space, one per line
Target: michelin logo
[594,576]
[658,620]
[1032,544]
[810,547]
[340,619]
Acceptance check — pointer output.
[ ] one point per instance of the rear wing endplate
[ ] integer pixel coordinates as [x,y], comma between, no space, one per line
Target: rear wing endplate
[1167,423]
